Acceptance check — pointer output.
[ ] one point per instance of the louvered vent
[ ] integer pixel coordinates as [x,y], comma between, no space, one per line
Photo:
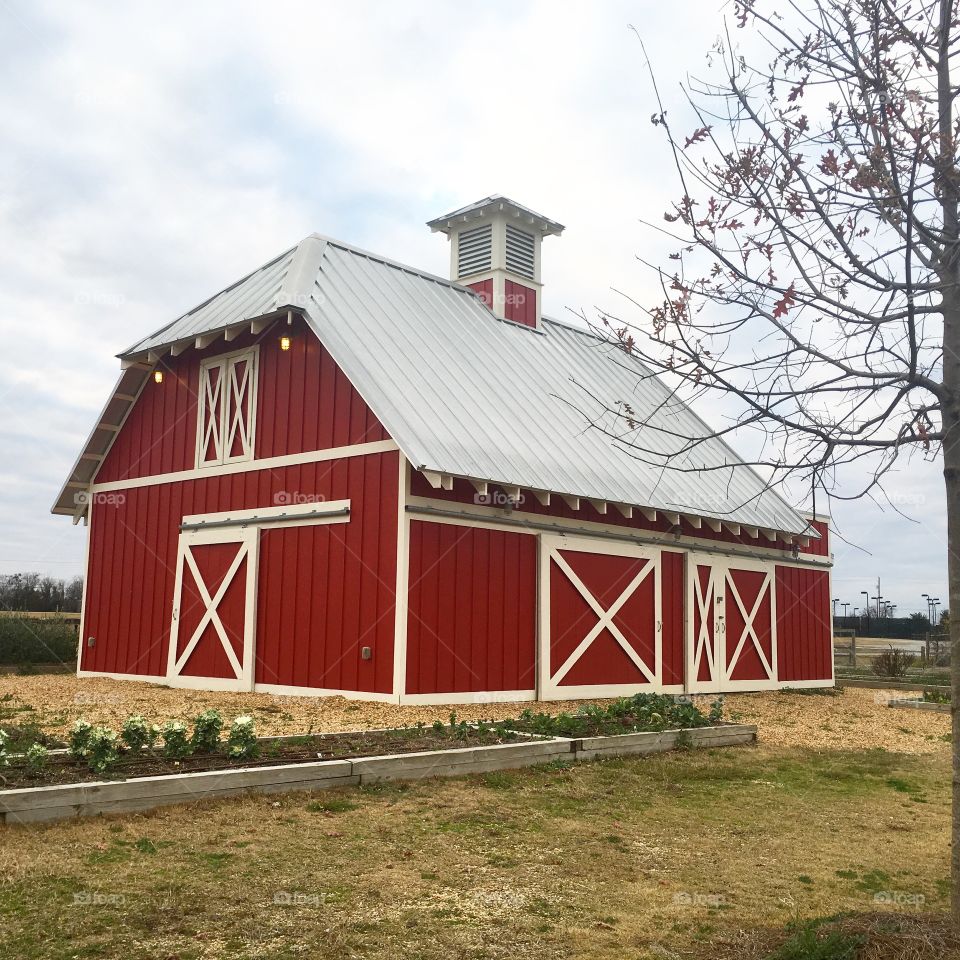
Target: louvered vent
[519,252]
[475,252]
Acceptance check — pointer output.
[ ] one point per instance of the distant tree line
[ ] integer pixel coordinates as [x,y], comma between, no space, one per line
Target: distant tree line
[40,594]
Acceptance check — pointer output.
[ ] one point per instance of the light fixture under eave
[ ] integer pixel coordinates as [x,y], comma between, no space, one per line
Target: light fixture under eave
[158,376]
[677,531]
[284,343]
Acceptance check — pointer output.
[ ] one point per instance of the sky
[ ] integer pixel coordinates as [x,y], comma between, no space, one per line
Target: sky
[147,160]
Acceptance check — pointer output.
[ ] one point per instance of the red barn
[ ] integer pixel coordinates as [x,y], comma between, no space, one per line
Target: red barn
[342,475]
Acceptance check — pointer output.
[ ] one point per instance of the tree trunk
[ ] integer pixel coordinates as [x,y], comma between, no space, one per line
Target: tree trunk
[951,472]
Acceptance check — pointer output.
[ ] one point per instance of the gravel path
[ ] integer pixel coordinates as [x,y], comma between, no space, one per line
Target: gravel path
[849,719]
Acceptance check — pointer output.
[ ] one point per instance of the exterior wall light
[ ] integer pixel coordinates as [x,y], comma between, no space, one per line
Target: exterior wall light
[158,376]
[677,531]
[284,343]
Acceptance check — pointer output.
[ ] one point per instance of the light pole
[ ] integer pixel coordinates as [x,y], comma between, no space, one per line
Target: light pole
[844,605]
[836,600]
[866,594]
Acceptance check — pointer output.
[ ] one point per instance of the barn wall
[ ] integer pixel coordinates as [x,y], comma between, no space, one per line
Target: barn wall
[463,492]
[485,289]
[304,402]
[324,591]
[672,593]
[804,636]
[472,609]
[521,303]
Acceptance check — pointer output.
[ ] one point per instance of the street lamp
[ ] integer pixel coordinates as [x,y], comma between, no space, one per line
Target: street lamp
[844,605]
[836,600]
[866,594]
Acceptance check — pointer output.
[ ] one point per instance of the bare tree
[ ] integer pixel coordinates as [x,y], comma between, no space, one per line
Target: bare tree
[815,254]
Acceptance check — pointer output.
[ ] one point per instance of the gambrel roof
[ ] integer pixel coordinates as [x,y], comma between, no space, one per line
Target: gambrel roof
[466,394]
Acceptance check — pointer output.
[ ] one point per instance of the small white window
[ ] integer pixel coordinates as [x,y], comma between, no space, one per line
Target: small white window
[226,418]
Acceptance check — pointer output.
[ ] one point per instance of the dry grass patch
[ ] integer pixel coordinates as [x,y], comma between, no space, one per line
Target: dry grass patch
[664,856]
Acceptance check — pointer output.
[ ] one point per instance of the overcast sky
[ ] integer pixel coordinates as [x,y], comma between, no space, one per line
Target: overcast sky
[147,160]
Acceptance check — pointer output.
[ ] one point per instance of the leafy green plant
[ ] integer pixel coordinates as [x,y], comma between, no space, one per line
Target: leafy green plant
[36,756]
[176,744]
[242,741]
[137,734]
[3,748]
[80,738]
[643,712]
[102,751]
[206,731]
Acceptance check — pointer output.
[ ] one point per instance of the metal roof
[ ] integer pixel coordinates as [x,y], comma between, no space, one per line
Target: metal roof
[475,211]
[466,394]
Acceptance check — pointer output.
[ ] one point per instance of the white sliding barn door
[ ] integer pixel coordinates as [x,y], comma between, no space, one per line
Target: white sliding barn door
[731,626]
[213,625]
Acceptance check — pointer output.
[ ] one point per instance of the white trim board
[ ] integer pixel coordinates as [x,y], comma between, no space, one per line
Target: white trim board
[469,697]
[287,515]
[249,466]
[401,597]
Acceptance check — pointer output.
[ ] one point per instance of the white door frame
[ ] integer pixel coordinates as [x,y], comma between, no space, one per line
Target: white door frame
[724,591]
[548,687]
[247,540]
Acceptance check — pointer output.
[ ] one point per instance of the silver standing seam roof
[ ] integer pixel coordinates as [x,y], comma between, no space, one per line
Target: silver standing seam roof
[466,394]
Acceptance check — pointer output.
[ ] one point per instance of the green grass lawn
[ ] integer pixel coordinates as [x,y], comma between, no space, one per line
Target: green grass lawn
[665,856]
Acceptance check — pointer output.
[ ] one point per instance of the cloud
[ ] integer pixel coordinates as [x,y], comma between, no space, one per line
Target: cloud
[147,160]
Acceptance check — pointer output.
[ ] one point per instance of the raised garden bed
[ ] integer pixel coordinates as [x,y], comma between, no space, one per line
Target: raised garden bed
[140,775]
[629,744]
[64,769]
[936,706]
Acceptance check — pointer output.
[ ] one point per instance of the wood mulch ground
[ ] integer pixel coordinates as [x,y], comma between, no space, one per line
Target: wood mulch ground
[850,718]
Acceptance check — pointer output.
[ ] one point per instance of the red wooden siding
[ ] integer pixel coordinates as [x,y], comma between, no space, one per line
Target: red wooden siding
[520,303]
[324,592]
[463,492]
[821,547]
[804,637]
[672,593]
[304,402]
[472,609]
[485,289]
